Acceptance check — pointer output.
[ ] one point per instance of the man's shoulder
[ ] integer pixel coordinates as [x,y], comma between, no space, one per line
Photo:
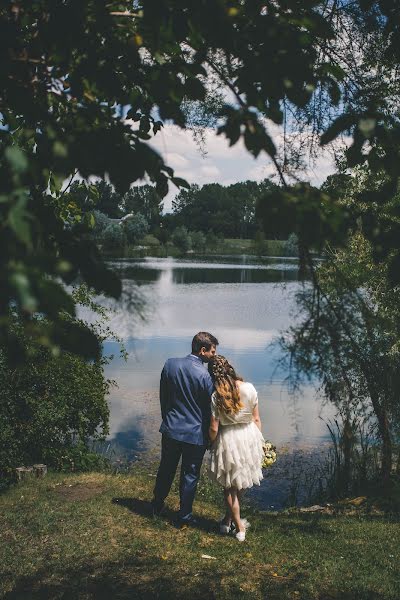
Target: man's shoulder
[189,364]
[171,364]
[175,360]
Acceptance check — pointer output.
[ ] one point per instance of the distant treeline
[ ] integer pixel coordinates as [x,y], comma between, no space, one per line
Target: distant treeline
[225,211]
[201,215]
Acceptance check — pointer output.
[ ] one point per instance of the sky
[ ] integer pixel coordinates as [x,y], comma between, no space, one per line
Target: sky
[221,163]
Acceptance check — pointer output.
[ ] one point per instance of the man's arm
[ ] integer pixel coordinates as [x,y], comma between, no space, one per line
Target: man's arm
[163,391]
[209,386]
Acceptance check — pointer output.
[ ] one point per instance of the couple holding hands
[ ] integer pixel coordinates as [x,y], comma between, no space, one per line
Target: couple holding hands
[208,408]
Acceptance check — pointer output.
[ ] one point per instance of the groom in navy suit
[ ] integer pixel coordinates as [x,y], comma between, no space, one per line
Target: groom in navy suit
[185,397]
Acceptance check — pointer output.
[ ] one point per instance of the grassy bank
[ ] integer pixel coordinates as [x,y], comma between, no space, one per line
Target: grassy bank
[152,247]
[91,536]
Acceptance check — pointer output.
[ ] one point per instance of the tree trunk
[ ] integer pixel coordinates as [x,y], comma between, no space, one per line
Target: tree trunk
[40,470]
[386,450]
[24,472]
[347,437]
[384,432]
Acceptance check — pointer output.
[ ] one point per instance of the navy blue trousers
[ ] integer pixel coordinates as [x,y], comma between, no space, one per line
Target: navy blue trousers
[192,458]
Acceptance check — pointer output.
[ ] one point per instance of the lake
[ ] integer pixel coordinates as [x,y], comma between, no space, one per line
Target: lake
[245,302]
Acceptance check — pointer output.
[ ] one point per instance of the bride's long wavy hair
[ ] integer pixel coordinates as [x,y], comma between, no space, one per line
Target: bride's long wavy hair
[225,377]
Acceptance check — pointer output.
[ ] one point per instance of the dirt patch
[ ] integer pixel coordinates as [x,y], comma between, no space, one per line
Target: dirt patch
[78,491]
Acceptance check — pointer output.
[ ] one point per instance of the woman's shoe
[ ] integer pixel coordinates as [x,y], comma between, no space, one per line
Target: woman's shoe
[241,536]
[224,528]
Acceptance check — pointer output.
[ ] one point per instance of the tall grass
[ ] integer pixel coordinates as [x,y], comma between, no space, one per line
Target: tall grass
[352,464]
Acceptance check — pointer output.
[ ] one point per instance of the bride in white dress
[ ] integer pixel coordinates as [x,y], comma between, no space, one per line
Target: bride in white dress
[237,441]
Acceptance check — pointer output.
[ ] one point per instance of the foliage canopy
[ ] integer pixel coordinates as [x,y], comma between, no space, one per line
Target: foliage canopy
[85,85]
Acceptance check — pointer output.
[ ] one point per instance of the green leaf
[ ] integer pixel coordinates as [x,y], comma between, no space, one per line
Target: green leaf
[142,135]
[19,220]
[342,123]
[394,270]
[17,159]
[179,182]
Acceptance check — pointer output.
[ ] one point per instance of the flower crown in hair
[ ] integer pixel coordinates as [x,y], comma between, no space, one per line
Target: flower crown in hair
[220,367]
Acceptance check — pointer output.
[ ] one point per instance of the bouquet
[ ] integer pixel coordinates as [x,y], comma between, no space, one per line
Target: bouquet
[269,455]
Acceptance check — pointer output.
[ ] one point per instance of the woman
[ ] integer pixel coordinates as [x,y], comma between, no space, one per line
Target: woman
[237,441]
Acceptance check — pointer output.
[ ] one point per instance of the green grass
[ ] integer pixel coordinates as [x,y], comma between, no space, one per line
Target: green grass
[228,246]
[247,246]
[91,536]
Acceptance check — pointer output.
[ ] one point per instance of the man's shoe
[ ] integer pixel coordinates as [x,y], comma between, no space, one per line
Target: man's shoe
[157,509]
[179,523]
[226,529]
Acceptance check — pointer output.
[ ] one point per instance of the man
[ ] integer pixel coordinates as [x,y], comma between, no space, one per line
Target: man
[185,397]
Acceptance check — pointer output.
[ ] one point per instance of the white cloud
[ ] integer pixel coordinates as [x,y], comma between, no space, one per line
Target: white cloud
[219,163]
[176,161]
[210,171]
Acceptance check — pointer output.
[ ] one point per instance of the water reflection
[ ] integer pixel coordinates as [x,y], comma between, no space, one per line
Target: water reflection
[245,305]
[189,272]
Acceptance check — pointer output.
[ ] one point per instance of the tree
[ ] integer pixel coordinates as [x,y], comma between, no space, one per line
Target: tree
[108,201]
[136,228]
[229,211]
[71,74]
[85,85]
[348,338]
[113,236]
[145,200]
[101,223]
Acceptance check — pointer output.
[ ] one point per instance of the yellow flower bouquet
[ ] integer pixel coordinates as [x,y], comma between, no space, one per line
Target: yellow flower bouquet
[269,455]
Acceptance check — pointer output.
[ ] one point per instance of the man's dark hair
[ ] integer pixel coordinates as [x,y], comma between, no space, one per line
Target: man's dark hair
[203,340]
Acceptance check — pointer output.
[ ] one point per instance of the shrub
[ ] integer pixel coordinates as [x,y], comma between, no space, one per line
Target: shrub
[150,240]
[136,228]
[181,239]
[113,236]
[291,247]
[49,408]
[101,223]
[198,241]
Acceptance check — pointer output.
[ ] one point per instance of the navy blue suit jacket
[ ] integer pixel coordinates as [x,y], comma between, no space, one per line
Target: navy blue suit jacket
[185,397]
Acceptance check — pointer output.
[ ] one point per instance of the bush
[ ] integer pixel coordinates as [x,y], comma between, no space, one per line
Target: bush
[198,241]
[260,243]
[181,239]
[150,240]
[291,246]
[101,223]
[113,236]
[136,228]
[50,409]
[212,240]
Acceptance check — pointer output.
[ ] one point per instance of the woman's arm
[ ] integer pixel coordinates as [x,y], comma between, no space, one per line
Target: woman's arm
[213,431]
[256,417]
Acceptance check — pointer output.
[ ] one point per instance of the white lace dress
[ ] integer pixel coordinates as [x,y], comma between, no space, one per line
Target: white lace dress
[237,452]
